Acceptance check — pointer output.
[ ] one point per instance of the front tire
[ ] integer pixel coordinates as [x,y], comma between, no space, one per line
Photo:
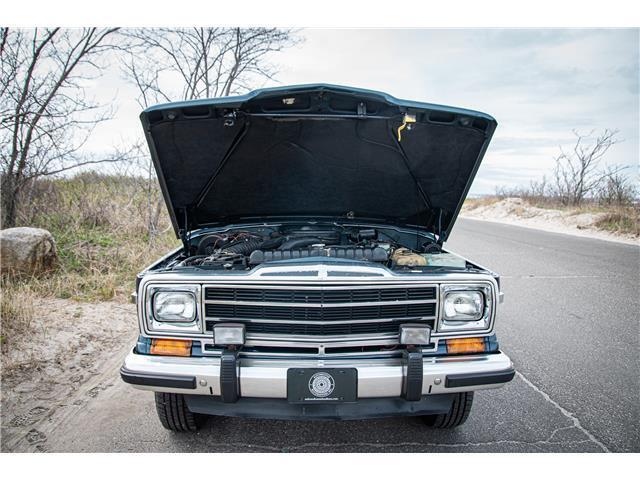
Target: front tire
[457,414]
[174,414]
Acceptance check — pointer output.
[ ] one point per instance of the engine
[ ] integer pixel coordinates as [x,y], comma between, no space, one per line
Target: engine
[243,250]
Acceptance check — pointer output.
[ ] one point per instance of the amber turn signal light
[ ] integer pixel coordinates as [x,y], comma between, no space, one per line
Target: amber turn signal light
[176,348]
[465,345]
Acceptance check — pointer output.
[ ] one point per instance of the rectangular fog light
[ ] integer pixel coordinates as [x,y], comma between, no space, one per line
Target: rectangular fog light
[415,334]
[228,334]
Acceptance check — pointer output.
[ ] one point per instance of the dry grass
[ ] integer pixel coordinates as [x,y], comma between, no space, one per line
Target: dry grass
[612,218]
[17,307]
[99,223]
[623,220]
[473,203]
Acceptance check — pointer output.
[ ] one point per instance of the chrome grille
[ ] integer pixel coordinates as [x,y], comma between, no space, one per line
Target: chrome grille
[345,311]
[319,295]
[318,314]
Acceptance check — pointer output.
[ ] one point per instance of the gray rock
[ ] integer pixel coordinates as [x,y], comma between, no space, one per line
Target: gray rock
[27,250]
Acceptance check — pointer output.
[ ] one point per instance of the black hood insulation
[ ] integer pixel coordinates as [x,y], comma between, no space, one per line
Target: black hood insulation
[315,151]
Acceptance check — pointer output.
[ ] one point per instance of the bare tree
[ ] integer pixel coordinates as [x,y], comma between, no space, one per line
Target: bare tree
[577,174]
[202,62]
[169,64]
[616,189]
[538,188]
[46,116]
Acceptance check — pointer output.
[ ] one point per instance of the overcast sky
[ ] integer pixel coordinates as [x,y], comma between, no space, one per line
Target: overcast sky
[538,84]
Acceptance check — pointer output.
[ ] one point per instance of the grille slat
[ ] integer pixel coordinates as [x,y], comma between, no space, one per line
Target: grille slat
[319,295]
[369,312]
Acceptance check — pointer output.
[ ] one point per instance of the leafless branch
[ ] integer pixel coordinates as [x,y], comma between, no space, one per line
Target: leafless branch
[578,174]
[206,62]
[46,115]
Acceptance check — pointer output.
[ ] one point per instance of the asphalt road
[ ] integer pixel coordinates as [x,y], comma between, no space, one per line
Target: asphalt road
[569,322]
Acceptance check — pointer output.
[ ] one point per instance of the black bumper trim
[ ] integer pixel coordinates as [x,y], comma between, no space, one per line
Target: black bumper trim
[275,408]
[472,379]
[153,380]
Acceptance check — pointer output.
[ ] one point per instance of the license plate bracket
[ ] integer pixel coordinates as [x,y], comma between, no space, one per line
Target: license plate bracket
[322,385]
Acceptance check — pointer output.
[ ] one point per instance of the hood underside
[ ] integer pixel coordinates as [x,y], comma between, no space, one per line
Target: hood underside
[315,151]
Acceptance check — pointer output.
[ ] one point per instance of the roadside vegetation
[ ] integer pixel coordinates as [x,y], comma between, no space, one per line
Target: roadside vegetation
[106,230]
[617,219]
[106,227]
[580,185]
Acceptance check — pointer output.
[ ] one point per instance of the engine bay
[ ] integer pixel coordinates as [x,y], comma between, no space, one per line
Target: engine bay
[244,249]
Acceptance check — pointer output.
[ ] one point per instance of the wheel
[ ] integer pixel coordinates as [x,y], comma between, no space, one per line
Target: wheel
[174,414]
[456,416]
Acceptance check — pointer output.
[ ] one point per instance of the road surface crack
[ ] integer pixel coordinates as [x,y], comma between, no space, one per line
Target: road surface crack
[566,413]
[432,444]
[387,446]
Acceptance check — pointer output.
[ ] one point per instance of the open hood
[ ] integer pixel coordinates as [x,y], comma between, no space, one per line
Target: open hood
[315,151]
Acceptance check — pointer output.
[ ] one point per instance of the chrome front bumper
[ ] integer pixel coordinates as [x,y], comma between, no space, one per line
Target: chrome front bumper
[377,378]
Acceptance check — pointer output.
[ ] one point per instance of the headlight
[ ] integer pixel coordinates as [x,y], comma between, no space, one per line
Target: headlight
[174,307]
[463,305]
[465,308]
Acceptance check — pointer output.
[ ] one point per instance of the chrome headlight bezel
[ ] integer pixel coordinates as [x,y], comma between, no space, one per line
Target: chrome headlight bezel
[154,324]
[477,326]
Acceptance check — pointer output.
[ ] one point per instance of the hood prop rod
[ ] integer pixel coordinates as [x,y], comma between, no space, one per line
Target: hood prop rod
[184,233]
[234,144]
[423,194]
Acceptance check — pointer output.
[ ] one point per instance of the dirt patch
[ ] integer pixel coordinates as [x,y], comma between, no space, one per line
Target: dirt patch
[516,211]
[66,347]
